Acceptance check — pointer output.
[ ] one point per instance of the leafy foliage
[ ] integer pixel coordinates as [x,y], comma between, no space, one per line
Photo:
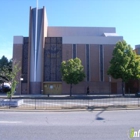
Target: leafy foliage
[10,74]
[125,64]
[72,71]
[5,65]
[3,62]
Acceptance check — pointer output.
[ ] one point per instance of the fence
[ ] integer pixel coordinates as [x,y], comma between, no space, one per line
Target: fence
[87,102]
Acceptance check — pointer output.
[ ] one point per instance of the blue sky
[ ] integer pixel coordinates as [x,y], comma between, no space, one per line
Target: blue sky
[122,14]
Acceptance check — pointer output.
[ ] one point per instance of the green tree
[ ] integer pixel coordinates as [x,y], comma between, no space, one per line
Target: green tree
[12,77]
[5,66]
[125,64]
[72,72]
[3,61]
[10,63]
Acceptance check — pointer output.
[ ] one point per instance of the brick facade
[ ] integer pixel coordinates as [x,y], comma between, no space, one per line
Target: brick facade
[41,55]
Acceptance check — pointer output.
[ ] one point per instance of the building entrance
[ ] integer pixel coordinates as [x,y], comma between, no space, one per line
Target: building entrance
[52,88]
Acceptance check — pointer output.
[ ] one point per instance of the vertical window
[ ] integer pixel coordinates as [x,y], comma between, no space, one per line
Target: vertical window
[87,61]
[74,51]
[101,64]
[52,59]
[25,59]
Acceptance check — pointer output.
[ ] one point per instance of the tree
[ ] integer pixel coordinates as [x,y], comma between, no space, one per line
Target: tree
[5,67]
[12,77]
[10,64]
[3,61]
[72,72]
[125,64]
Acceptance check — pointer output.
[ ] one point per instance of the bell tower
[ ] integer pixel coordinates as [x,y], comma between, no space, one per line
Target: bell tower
[37,34]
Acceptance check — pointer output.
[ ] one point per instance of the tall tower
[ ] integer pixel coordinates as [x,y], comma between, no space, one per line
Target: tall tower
[37,34]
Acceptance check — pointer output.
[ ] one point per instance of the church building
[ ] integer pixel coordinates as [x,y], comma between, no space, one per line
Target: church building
[41,53]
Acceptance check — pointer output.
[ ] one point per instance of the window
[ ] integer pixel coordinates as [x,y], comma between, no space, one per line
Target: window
[74,51]
[87,61]
[101,64]
[52,59]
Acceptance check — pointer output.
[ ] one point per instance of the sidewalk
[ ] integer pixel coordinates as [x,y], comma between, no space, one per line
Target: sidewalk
[73,103]
[67,96]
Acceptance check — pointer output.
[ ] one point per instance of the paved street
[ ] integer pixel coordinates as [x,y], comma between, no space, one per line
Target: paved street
[92,125]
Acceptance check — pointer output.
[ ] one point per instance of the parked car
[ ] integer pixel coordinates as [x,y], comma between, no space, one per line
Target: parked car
[5,87]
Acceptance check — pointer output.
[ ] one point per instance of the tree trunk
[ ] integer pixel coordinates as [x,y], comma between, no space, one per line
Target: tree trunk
[123,88]
[70,89]
[10,99]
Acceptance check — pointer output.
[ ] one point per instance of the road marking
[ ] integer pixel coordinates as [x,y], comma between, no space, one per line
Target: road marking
[10,122]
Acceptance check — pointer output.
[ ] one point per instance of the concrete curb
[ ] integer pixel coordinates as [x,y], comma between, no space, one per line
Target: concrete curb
[67,110]
[66,96]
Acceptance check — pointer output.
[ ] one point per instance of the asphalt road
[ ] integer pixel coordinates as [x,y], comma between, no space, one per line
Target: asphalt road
[92,125]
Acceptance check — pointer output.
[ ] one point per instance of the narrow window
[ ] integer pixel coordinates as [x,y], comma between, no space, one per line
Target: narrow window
[87,61]
[101,64]
[74,51]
